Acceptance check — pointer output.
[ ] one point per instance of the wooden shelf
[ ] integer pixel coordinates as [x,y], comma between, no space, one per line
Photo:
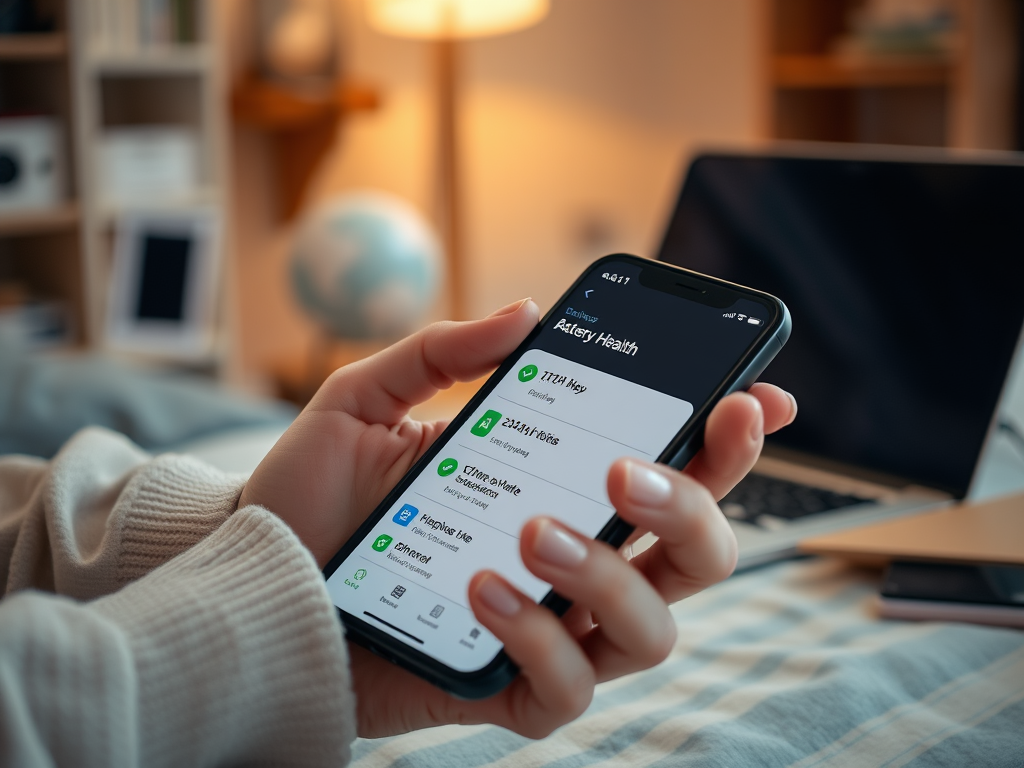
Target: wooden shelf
[831,71]
[39,222]
[302,127]
[180,60]
[203,197]
[274,108]
[33,47]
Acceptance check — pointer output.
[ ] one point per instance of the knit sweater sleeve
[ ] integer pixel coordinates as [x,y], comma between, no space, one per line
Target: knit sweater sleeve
[213,640]
[103,513]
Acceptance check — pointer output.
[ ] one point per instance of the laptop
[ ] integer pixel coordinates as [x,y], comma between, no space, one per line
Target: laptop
[904,272]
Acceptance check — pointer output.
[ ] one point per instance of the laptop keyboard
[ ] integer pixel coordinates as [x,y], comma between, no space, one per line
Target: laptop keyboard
[770,502]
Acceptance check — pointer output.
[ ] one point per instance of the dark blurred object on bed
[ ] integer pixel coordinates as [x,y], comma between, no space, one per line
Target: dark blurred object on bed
[46,398]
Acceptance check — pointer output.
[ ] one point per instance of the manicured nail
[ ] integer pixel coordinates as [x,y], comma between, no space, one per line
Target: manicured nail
[645,486]
[793,407]
[757,431]
[513,307]
[498,597]
[555,546]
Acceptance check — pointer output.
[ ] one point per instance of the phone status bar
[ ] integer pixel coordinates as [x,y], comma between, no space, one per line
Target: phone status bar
[740,317]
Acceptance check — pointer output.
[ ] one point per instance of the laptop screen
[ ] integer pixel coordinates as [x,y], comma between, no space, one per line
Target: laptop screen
[906,285]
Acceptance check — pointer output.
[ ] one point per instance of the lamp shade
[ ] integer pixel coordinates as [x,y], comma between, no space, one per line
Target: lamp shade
[451,19]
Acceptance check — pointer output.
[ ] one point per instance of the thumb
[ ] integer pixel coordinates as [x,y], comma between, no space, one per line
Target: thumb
[382,388]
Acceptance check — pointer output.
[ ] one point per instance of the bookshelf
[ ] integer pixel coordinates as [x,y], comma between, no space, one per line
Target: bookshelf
[40,247]
[144,64]
[110,64]
[957,95]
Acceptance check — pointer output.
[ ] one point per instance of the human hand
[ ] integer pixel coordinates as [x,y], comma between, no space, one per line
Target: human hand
[353,443]
[355,440]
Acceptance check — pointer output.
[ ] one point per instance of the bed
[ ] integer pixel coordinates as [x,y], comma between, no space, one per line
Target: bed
[787,665]
[783,666]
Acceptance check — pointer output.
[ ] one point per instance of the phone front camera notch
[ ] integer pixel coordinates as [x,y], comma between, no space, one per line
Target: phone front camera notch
[692,288]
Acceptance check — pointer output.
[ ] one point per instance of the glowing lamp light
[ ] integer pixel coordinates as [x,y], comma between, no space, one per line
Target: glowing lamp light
[446,22]
[454,19]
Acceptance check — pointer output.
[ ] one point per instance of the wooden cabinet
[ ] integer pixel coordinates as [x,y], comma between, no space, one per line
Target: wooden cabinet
[959,96]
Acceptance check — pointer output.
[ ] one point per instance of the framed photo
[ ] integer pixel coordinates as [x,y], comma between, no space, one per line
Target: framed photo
[163,287]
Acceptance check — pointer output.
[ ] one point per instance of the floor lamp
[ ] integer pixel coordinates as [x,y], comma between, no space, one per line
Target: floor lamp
[446,22]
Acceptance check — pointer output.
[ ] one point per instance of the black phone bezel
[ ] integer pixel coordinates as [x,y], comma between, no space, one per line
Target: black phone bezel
[694,286]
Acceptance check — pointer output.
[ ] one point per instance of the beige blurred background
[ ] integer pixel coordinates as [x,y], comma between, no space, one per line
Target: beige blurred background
[575,135]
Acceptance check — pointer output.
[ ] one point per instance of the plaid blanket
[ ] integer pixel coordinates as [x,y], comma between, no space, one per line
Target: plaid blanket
[783,666]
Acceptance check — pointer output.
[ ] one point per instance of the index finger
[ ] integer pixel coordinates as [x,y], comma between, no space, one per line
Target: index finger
[382,388]
[734,435]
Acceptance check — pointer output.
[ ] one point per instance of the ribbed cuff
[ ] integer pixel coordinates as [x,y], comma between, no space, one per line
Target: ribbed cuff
[239,652]
[172,504]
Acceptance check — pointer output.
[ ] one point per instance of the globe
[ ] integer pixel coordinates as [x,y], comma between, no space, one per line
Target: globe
[366,265]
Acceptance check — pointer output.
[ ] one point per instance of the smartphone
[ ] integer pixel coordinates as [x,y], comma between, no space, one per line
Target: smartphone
[980,594]
[629,362]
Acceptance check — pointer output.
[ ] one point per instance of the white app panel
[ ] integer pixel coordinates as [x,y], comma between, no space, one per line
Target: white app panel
[540,444]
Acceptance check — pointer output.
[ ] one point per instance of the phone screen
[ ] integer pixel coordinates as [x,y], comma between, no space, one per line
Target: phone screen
[617,369]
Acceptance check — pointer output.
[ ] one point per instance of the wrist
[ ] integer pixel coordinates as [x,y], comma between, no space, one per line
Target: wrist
[239,653]
[172,504]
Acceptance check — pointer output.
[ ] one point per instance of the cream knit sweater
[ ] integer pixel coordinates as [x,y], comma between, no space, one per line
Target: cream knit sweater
[146,622]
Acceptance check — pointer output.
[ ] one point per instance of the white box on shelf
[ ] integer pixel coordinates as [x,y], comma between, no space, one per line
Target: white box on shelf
[148,164]
[31,168]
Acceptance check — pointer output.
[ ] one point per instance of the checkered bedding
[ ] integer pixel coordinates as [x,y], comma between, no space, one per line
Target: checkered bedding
[783,666]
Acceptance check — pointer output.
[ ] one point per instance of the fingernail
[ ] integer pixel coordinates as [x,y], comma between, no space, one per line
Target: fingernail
[498,597]
[757,431]
[555,546]
[793,407]
[645,486]
[513,307]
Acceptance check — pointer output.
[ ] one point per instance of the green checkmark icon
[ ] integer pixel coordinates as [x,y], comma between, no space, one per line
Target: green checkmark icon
[527,372]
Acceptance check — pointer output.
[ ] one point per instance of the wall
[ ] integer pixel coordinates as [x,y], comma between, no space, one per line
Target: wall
[575,133]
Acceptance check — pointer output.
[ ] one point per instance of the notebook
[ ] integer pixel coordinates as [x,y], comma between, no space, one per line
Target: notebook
[990,532]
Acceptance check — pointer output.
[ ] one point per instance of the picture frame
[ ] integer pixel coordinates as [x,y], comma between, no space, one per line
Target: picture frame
[163,287]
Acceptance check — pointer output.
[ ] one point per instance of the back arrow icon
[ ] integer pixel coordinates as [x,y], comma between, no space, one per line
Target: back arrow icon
[587,293]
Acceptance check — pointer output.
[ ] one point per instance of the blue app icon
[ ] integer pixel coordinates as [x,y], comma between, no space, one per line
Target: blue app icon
[406,514]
